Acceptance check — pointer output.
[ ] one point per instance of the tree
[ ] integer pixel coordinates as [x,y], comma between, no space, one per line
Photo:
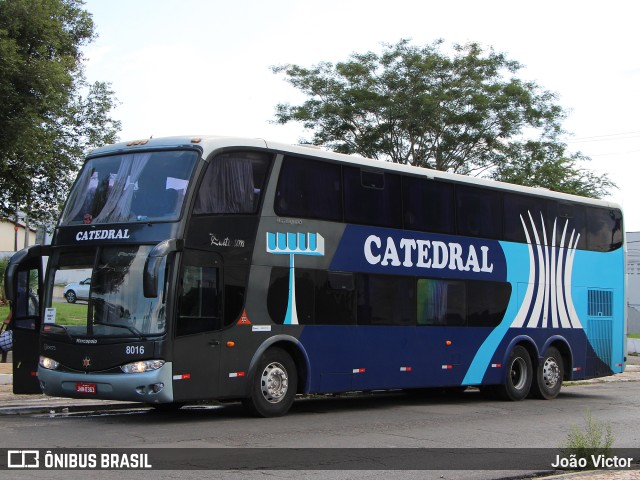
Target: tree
[464,113]
[545,164]
[49,116]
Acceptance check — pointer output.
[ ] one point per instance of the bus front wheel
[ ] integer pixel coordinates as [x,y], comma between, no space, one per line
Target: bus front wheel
[519,375]
[274,385]
[549,375]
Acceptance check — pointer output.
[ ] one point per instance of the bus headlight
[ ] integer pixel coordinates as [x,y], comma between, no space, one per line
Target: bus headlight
[142,366]
[48,363]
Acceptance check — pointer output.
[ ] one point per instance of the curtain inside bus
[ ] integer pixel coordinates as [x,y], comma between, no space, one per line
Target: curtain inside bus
[133,187]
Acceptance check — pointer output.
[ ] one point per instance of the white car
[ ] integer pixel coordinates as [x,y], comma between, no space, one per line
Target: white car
[77,290]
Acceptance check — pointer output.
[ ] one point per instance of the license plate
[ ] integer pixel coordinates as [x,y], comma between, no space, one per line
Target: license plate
[85,388]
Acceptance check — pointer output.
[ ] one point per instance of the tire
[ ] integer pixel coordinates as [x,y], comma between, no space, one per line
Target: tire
[519,376]
[70,296]
[273,385]
[549,374]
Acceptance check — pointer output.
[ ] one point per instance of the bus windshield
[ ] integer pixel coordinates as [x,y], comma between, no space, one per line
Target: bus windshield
[96,292]
[132,187]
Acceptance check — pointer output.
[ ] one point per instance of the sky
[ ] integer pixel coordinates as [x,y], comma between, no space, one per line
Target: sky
[189,67]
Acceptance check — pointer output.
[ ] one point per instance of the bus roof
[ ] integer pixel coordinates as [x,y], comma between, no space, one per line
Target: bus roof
[209,144]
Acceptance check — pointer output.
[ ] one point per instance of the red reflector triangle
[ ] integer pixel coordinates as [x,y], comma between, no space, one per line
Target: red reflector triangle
[244,320]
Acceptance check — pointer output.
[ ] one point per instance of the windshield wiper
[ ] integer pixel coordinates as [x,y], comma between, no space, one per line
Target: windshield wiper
[133,330]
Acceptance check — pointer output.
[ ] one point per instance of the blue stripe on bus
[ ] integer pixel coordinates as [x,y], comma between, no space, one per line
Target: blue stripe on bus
[590,270]
[517,268]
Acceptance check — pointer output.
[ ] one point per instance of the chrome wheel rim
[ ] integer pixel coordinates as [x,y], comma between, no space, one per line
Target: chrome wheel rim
[274,382]
[550,372]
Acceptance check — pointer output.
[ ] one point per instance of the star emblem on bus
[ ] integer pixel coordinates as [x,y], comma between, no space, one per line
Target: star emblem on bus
[86,362]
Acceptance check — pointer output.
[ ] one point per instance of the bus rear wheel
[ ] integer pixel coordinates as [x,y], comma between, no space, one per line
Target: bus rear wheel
[549,375]
[519,375]
[273,386]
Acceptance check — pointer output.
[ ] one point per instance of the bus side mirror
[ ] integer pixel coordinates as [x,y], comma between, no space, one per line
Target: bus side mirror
[152,265]
[17,262]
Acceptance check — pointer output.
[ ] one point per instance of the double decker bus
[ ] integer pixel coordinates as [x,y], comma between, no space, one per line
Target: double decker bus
[239,269]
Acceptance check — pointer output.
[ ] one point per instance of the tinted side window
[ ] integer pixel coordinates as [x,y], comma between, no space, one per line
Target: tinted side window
[235,280]
[233,183]
[372,198]
[441,302]
[570,219]
[479,212]
[487,303]
[604,229]
[386,300]
[522,208]
[428,205]
[309,189]
[26,309]
[461,303]
[322,298]
[335,301]
[278,295]
[199,301]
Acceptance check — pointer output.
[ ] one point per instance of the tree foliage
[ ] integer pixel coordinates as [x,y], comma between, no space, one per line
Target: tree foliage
[50,116]
[545,164]
[464,112]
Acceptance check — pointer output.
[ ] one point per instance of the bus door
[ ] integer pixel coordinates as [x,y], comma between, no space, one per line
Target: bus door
[198,321]
[23,285]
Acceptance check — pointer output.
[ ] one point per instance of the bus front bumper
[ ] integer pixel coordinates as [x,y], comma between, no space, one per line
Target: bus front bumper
[148,387]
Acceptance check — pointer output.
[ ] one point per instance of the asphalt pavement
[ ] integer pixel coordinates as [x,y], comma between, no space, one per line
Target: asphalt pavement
[12,404]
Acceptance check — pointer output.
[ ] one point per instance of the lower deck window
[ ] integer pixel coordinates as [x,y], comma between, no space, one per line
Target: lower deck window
[322,297]
[386,300]
[338,298]
[198,303]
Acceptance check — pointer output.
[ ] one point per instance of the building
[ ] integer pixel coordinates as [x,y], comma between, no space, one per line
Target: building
[15,236]
[633,282]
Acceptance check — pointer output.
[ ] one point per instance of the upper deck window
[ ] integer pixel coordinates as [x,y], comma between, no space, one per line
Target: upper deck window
[478,212]
[372,198]
[604,231]
[428,205]
[233,183]
[309,189]
[130,188]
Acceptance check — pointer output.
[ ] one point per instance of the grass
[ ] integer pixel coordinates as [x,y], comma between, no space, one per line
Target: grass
[70,313]
[633,335]
[66,313]
[594,438]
